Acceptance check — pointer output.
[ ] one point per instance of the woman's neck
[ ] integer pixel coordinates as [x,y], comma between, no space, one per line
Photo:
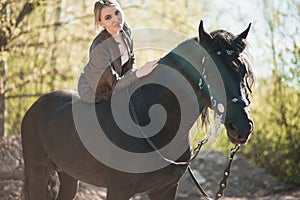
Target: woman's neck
[113,33]
[118,37]
[122,46]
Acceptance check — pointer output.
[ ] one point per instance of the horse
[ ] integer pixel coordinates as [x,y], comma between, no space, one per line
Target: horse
[92,143]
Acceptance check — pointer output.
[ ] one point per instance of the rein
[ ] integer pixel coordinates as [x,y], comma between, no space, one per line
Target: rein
[196,151]
[223,182]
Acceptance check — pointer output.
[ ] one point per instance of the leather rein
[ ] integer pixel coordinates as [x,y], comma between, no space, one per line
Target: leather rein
[223,182]
[219,111]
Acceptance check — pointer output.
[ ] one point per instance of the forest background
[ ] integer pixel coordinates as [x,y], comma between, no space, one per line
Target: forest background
[44,46]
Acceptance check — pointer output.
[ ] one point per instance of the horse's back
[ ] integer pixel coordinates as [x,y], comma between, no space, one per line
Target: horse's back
[50,102]
[39,113]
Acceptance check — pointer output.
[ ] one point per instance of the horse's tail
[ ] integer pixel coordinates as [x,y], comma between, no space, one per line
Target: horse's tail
[29,141]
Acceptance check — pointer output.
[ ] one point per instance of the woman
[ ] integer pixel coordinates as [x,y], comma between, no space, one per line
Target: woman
[111,58]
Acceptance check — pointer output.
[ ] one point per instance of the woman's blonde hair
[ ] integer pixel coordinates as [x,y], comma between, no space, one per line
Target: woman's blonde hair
[98,7]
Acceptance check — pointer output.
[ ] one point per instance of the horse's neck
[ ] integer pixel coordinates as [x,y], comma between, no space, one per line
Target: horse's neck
[187,58]
[177,95]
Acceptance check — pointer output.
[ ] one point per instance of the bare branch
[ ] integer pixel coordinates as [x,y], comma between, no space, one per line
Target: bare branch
[26,10]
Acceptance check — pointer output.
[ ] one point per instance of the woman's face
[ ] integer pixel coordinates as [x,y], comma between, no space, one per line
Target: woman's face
[111,19]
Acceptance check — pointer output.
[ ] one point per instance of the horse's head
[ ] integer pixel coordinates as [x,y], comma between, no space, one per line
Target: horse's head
[226,51]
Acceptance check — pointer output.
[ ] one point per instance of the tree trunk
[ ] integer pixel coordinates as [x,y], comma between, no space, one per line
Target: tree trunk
[3,66]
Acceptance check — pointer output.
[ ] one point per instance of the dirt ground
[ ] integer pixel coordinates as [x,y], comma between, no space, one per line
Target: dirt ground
[245,183]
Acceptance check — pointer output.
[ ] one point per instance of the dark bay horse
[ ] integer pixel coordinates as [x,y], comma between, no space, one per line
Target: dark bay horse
[138,141]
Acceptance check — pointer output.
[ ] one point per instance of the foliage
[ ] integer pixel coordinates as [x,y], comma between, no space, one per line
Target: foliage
[275,142]
[42,53]
[13,17]
[171,17]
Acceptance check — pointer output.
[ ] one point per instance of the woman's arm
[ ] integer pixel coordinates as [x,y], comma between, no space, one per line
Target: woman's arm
[132,75]
[102,77]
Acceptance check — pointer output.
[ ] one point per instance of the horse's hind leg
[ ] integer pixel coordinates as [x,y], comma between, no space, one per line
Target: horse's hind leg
[36,179]
[68,187]
[167,193]
[37,166]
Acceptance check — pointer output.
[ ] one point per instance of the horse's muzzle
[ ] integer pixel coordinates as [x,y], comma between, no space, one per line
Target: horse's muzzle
[238,134]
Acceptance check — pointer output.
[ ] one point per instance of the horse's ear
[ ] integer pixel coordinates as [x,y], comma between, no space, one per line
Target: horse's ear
[238,42]
[204,37]
[244,34]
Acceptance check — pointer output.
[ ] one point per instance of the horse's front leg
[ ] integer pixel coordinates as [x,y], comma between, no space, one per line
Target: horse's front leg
[167,193]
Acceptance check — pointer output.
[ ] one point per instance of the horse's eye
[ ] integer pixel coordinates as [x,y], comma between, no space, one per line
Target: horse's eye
[229,52]
[218,53]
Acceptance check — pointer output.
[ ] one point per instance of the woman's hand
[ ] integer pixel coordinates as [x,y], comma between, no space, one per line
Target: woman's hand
[147,68]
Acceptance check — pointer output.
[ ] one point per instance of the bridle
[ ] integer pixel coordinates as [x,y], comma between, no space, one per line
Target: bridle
[219,110]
